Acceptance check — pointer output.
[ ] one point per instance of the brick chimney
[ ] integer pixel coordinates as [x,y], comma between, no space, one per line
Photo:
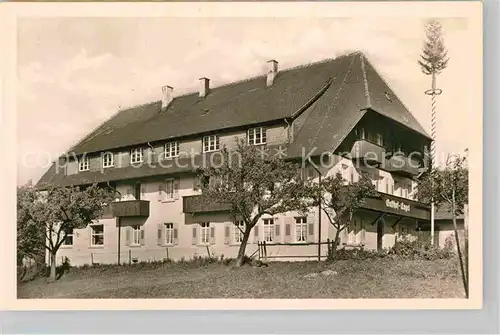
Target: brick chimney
[204,86]
[272,71]
[166,97]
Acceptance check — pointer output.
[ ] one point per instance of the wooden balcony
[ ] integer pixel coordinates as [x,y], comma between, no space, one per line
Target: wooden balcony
[107,212]
[367,151]
[202,204]
[131,208]
[403,165]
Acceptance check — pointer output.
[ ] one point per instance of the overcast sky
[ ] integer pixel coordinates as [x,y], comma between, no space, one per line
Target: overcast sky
[74,73]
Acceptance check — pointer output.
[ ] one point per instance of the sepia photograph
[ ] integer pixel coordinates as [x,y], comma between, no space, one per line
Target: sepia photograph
[249,157]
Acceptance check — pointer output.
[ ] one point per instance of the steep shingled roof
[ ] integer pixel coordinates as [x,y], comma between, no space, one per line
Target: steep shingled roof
[328,98]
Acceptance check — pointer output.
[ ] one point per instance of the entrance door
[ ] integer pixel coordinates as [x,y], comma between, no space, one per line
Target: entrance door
[380,233]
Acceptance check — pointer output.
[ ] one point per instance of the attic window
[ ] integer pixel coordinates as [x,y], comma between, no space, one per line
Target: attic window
[136,155]
[84,164]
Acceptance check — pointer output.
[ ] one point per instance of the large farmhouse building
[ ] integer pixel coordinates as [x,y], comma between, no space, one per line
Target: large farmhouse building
[149,154]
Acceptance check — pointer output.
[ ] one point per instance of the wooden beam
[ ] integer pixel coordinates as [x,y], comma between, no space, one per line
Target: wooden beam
[399,220]
[378,218]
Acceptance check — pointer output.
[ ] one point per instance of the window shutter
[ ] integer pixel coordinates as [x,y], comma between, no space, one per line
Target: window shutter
[176,233]
[142,239]
[212,235]
[362,227]
[161,191]
[276,229]
[194,235]
[256,234]
[288,229]
[310,228]
[159,237]
[89,230]
[127,236]
[143,188]
[227,233]
[176,189]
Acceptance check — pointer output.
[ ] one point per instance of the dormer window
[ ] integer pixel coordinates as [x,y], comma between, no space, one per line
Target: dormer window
[136,155]
[171,149]
[84,164]
[210,143]
[257,136]
[108,160]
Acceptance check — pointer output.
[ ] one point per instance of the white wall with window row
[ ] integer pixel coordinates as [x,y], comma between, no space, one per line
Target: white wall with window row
[173,149]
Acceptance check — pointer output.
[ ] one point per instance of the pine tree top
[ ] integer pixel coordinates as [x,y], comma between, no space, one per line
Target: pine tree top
[434,54]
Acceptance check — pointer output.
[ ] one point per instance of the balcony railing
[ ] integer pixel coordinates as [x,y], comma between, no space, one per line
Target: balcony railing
[202,204]
[130,208]
[368,151]
[402,164]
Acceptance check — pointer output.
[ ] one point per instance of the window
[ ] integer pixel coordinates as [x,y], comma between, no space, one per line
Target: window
[404,190]
[239,227]
[301,229]
[360,132]
[269,230]
[97,237]
[379,139]
[84,164]
[169,233]
[68,239]
[136,235]
[205,233]
[257,136]
[136,155]
[169,189]
[210,143]
[108,160]
[171,149]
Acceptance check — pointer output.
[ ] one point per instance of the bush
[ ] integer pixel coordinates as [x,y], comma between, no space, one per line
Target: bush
[359,254]
[407,248]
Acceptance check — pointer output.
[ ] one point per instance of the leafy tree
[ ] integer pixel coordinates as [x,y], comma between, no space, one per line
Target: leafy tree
[434,54]
[54,212]
[450,185]
[30,235]
[253,182]
[340,200]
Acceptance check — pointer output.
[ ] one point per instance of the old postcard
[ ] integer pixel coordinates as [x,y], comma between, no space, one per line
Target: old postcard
[252,155]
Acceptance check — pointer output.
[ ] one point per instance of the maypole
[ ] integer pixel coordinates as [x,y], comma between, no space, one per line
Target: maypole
[433,61]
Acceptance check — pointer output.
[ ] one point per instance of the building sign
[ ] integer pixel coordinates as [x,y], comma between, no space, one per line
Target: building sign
[398,205]
[394,205]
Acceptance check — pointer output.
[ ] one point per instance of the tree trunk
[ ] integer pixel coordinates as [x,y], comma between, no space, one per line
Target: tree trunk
[241,252]
[52,266]
[335,244]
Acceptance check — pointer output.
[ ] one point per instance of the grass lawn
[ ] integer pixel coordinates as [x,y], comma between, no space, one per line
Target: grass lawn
[375,278]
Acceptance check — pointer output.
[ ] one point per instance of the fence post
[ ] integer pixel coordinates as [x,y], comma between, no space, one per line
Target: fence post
[167,253]
[129,257]
[91,258]
[328,247]
[265,251]
[258,248]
